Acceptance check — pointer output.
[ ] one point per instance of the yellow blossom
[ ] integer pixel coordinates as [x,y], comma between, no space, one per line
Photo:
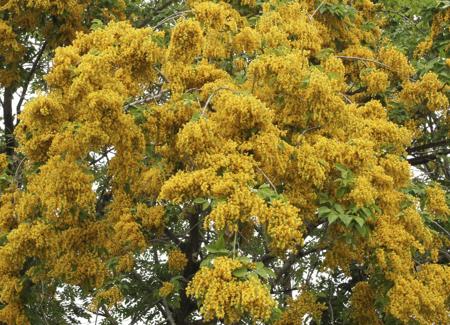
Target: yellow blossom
[166,289]
[436,201]
[177,261]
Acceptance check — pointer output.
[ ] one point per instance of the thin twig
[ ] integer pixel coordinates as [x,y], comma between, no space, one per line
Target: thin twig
[168,312]
[210,97]
[344,57]
[349,101]
[166,80]
[147,99]
[30,76]
[267,179]
[440,227]
[310,129]
[317,9]
[171,17]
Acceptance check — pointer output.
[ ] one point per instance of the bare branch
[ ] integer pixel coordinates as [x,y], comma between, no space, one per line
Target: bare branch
[357,58]
[168,312]
[147,99]
[210,97]
[317,9]
[267,179]
[30,75]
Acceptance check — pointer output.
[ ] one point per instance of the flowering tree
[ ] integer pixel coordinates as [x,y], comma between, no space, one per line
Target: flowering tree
[242,162]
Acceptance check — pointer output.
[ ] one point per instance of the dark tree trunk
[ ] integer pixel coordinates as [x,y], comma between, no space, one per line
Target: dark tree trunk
[191,248]
[9,121]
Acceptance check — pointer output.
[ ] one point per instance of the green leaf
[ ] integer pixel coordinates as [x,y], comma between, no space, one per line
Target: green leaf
[244,259]
[199,200]
[265,273]
[359,220]
[205,205]
[96,24]
[207,262]
[218,247]
[345,219]
[341,191]
[324,211]
[332,217]
[366,211]
[241,272]
[189,98]
[363,230]
[339,208]
[196,117]
[276,314]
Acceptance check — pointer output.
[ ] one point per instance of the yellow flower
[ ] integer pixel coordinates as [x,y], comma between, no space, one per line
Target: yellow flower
[376,81]
[166,289]
[225,297]
[186,41]
[3,162]
[436,201]
[177,261]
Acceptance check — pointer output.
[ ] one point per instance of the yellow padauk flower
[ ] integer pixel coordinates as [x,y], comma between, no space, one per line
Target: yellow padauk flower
[436,201]
[3,162]
[225,297]
[166,289]
[177,261]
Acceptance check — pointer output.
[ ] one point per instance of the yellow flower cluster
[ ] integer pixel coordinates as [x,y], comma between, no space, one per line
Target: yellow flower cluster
[363,193]
[9,50]
[304,305]
[64,203]
[283,227]
[363,304]
[240,207]
[22,17]
[3,162]
[376,81]
[109,298]
[166,289]
[436,202]
[186,41]
[428,90]
[354,67]
[440,18]
[151,217]
[422,298]
[177,261]
[83,113]
[221,22]
[289,25]
[227,298]
[247,40]
[397,62]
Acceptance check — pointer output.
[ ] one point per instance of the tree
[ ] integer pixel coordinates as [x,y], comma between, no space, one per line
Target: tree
[236,162]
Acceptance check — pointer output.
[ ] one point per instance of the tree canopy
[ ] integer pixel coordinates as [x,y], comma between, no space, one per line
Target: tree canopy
[239,162]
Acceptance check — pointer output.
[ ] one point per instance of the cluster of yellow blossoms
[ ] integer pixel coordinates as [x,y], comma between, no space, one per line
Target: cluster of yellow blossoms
[166,289]
[427,91]
[3,162]
[436,202]
[305,305]
[376,81]
[226,297]
[107,297]
[69,17]
[177,261]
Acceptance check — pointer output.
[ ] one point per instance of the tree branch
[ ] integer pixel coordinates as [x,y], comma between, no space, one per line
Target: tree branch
[430,145]
[30,75]
[427,158]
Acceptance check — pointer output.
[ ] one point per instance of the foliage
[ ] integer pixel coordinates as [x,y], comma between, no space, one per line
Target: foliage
[238,162]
